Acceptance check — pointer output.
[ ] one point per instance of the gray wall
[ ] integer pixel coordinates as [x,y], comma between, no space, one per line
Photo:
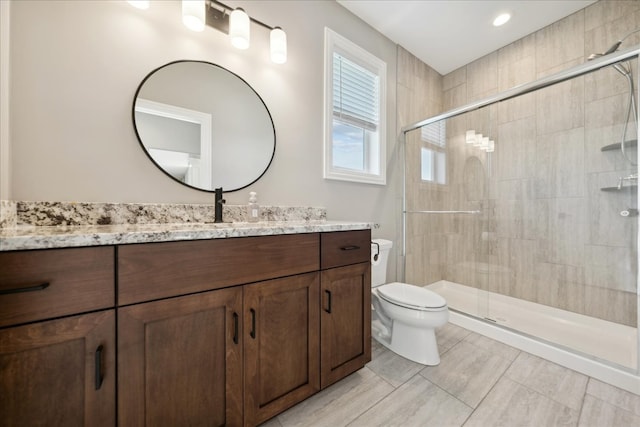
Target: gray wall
[75,66]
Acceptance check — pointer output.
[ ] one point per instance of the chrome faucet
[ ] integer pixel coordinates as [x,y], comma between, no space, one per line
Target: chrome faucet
[219,201]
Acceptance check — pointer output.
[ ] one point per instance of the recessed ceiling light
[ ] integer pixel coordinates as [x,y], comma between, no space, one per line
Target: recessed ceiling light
[501,19]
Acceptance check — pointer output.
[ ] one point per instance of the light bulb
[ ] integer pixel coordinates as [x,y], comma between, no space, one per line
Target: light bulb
[470,137]
[239,30]
[485,143]
[478,141]
[278,45]
[139,4]
[193,14]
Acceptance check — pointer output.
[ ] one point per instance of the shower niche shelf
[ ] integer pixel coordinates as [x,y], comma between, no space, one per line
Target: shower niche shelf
[633,187]
[632,143]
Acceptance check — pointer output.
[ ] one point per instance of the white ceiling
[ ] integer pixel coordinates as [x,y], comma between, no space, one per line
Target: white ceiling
[449,34]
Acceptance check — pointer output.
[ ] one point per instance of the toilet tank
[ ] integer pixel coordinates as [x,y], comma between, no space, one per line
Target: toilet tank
[380,247]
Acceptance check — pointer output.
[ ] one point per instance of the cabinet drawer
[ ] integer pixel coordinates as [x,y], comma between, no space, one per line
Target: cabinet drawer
[345,248]
[160,270]
[43,284]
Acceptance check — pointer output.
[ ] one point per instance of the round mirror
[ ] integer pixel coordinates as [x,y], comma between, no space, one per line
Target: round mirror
[204,126]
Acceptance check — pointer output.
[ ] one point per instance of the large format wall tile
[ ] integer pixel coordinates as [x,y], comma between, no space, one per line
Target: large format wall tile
[560,107]
[560,42]
[547,233]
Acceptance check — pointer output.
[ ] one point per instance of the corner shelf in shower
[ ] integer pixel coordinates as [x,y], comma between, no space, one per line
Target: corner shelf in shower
[632,143]
[633,187]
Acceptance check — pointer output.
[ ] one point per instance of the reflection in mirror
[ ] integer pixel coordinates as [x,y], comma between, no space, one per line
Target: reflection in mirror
[204,126]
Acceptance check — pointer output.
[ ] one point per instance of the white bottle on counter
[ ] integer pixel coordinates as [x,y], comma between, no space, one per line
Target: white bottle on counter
[253,209]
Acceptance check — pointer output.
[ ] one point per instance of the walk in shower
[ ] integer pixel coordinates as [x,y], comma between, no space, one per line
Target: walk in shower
[521,209]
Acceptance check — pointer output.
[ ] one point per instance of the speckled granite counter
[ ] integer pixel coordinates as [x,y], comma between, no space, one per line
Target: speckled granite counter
[30,237]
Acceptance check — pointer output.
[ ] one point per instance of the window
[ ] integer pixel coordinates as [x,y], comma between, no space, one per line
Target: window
[355,113]
[433,155]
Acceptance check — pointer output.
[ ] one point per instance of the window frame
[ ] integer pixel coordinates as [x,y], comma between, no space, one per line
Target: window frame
[334,42]
[436,147]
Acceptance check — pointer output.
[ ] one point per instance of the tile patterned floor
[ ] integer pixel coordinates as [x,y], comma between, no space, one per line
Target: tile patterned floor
[479,382]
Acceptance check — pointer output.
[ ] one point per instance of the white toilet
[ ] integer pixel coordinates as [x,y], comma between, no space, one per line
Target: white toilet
[404,316]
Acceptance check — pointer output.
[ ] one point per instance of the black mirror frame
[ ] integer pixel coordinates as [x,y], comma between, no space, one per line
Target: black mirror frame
[135,127]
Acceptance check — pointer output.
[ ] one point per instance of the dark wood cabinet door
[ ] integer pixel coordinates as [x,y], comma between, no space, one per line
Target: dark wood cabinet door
[59,372]
[345,321]
[180,361]
[281,336]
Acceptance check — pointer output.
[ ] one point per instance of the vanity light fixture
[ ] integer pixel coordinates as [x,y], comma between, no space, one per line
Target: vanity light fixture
[278,45]
[470,137]
[139,4]
[237,23]
[239,29]
[482,142]
[197,14]
[193,14]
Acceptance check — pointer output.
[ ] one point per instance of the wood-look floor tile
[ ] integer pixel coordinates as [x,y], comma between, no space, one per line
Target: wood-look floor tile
[493,346]
[467,372]
[563,385]
[273,422]
[418,402]
[340,403]
[391,367]
[598,413]
[512,404]
[621,398]
[450,335]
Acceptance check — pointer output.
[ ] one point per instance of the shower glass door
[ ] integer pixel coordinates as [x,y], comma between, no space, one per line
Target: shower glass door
[524,213]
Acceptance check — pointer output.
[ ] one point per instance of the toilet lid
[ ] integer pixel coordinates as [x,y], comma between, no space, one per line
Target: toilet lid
[411,296]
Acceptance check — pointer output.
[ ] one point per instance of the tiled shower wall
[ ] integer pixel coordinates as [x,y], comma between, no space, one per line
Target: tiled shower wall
[547,233]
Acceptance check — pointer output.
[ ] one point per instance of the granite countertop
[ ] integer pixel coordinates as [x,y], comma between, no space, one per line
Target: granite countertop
[44,237]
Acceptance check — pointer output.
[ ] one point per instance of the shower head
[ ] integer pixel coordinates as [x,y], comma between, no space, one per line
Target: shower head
[621,69]
[612,49]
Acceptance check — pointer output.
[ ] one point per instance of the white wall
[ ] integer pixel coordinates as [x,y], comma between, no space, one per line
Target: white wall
[75,66]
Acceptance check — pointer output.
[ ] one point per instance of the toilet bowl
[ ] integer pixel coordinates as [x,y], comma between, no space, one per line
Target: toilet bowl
[404,316]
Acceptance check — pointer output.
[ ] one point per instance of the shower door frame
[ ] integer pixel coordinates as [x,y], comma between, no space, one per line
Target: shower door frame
[553,79]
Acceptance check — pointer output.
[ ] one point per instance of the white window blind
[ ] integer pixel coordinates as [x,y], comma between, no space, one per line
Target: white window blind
[434,133]
[355,94]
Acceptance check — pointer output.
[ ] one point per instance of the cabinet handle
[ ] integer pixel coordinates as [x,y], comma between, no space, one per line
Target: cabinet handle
[39,287]
[98,366]
[253,323]
[235,328]
[349,248]
[328,309]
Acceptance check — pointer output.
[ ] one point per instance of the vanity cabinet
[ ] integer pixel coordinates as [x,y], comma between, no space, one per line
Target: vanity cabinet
[180,361]
[220,330]
[282,345]
[346,304]
[209,332]
[57,341]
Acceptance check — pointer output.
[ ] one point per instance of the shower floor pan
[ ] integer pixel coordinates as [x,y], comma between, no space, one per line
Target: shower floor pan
[590,336]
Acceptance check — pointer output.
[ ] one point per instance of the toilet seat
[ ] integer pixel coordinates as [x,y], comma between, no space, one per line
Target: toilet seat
[412,297]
